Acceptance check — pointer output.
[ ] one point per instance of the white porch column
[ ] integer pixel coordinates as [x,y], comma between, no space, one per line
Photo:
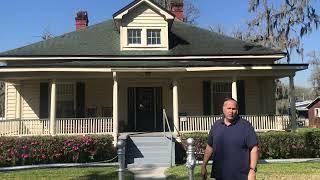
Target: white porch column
[292,103]
[53,107]
[18,100]
[234,89]
[175,106]
[115,108]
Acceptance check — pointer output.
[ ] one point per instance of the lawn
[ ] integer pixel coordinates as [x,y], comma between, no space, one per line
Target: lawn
[290,171]
[65,173]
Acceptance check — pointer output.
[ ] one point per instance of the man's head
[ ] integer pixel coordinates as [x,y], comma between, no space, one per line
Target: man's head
[230,109]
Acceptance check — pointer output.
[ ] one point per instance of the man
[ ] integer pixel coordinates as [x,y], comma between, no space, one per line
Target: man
[233,143]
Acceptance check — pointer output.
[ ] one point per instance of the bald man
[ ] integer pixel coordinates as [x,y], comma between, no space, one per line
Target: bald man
[233,143]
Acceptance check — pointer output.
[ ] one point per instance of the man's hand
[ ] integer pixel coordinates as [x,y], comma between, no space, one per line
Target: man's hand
[252,175]
[204,172]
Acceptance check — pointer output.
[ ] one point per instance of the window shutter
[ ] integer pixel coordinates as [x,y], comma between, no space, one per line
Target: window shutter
[131,108]
[206,98]
[241,97]
[44,100]
[80,99]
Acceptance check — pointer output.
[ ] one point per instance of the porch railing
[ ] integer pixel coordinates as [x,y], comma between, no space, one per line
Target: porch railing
[98,125]
[25,127]
[259,122]
[64,126]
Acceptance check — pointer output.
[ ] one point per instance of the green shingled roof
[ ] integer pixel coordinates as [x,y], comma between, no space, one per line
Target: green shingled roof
[104,40]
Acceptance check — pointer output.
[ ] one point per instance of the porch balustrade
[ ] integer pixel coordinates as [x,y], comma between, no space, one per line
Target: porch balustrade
[64,126]
[84,126]
[259,122]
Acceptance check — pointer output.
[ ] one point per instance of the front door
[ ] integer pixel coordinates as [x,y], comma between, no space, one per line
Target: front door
[145,109]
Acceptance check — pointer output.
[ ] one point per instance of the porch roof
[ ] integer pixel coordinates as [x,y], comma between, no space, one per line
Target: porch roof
[103,40]
[150,64]
[85,67]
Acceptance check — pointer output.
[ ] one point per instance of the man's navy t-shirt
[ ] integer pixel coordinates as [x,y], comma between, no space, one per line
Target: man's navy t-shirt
[231,149]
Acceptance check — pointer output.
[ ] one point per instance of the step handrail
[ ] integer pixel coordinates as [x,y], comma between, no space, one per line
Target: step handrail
[166,122]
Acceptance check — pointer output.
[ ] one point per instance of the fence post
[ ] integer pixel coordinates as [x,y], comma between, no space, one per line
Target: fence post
[121,158]
[191,160]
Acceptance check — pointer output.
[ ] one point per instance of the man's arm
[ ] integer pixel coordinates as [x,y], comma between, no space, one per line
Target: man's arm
[207,154]
[254,156]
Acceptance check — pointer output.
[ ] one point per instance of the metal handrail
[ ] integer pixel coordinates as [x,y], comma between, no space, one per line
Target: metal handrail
[165,122]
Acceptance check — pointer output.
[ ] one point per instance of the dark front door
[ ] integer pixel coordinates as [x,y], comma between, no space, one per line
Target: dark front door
[145,109]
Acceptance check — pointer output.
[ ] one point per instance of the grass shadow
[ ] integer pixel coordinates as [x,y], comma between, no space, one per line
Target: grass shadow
[109,175]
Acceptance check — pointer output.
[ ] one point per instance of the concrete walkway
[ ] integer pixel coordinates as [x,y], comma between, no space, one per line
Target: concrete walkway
[148,172]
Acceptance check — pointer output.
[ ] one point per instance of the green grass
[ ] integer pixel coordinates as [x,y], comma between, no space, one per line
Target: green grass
[288,171]
[65,173]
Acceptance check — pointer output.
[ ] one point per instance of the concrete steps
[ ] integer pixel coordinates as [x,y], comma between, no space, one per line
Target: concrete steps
[146,149]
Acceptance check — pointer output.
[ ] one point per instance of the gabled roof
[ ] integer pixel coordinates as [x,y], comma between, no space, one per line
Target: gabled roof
[313,102]
[104,40]
[132,5]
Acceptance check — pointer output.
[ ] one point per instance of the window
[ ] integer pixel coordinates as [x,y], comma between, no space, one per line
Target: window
[65,100]
[220,91]
[134,36]
[153,36]
[316,112]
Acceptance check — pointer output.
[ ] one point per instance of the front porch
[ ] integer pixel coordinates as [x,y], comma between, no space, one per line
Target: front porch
[104,125]
[115,102]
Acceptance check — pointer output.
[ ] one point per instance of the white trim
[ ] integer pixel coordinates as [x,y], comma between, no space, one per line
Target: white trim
[169,69]
[316,112]
[173,69]
[55,69]
[298,67]
[144,57]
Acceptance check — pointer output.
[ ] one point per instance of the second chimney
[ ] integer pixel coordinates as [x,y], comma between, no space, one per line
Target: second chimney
[82,20]
[177,9]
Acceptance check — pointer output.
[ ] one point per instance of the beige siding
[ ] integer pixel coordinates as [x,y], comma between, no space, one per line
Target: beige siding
[30,99]
[143,15]
[98,93]
[11,98]
[190,95]
[259,94]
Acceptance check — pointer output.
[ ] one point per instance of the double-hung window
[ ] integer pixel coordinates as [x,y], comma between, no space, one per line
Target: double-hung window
[220,91]
[134,36]
[65,100]
[153,36]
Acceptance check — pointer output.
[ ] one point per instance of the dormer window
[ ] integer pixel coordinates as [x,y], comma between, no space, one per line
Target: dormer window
[153,36]
[134,36]
[143,25]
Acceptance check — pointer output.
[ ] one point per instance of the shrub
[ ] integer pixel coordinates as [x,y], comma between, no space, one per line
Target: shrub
[273,145]
[55,149]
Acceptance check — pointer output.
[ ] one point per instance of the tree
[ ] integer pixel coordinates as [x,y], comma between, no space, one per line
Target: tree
[314,59]
[282,25]
[191,12]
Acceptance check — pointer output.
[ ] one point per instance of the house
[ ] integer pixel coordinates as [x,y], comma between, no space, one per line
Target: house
[302,112]
[314,113]
[136,71]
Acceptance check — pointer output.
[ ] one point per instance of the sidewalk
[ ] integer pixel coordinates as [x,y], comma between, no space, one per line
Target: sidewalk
[148,172]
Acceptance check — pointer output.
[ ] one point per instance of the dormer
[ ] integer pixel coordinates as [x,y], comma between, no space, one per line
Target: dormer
[143,25]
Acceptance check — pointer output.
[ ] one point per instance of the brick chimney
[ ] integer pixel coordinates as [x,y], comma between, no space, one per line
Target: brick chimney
[177,9]
[82,20]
